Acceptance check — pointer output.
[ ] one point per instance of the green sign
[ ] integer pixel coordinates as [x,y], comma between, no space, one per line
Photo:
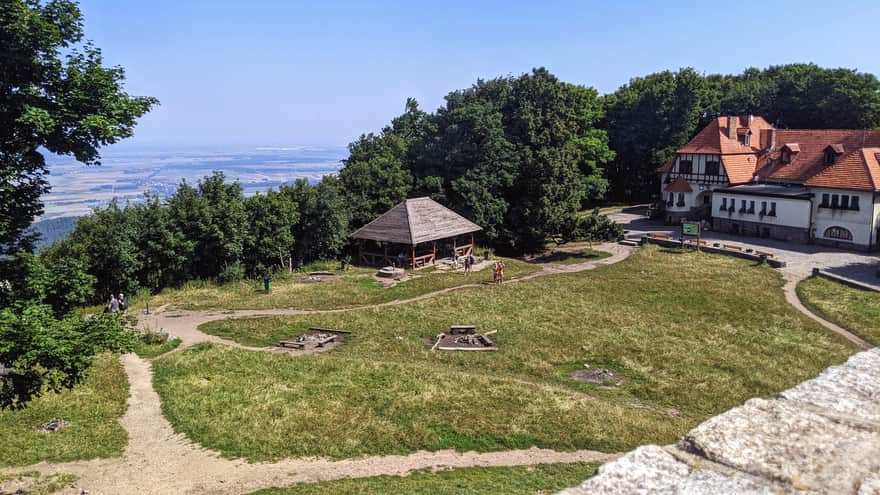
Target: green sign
[689,228]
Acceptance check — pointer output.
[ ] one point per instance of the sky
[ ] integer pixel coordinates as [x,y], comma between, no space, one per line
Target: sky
[240,74]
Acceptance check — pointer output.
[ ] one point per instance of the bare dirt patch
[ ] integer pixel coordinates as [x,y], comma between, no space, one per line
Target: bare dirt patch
[598,376]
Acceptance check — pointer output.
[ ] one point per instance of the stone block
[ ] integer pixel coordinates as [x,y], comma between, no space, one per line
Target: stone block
[782,442]
[652,470]
[850,390]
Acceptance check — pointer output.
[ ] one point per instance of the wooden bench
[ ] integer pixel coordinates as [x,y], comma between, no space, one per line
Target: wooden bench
[323,342]
[661,236]
[732,248]
[291,343]
[462,329]
[766,255]
[328,330]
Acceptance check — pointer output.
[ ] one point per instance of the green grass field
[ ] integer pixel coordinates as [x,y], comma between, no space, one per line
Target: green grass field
[680,327]
[150,351]
[856,310]
[571,258]
[466,481]
[92,410]
[355,287]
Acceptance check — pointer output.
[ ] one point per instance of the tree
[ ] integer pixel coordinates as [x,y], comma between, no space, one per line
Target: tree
[44,353]
[647,120]
[108,239]
[269,240]
[55,95]
[324,216]
[374,176]
[164,250]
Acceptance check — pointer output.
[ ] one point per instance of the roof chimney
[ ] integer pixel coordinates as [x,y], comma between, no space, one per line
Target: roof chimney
[732,124]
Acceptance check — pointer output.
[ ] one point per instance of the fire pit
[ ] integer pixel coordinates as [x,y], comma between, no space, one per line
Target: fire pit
[465,338]
[391,272]
[315,340]
[319,277]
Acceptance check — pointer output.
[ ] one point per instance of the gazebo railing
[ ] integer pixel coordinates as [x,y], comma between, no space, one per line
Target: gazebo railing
[423,261]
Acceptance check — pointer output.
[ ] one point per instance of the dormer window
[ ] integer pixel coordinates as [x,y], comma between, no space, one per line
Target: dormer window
[785,156]
[831,153]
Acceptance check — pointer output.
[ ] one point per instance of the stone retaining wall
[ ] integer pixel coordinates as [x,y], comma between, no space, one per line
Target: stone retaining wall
[822,436]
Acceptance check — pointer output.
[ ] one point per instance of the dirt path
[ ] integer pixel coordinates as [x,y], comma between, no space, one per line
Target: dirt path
[159,461]
[184,324]
[792,279]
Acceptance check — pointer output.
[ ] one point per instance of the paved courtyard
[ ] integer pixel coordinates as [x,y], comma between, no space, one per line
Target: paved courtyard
[800,259]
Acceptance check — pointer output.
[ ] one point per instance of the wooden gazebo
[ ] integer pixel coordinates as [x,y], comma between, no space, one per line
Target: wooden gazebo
[415,226]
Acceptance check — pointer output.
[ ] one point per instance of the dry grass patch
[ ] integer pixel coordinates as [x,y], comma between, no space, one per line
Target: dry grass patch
[854,309]
[355,287]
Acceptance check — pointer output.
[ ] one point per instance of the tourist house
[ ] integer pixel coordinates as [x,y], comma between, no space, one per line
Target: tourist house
[802,185]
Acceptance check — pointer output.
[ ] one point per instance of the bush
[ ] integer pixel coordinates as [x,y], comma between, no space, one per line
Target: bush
[232,273]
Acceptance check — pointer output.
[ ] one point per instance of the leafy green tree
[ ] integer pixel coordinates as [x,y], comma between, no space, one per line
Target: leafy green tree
[40,352]
[164,250]
[324,216]
[55,95]
[269,240]
[108,239]
[374,175]
[647,120]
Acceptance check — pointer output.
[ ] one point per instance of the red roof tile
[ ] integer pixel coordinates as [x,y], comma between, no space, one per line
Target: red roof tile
[679,185]
[812,144]
[857,170]
[740,168]
[667,167]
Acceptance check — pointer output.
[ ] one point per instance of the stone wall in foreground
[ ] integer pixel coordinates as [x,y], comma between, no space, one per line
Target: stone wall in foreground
[822,436]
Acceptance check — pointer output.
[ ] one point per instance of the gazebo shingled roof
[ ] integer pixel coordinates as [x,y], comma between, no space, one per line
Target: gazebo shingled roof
[415,221]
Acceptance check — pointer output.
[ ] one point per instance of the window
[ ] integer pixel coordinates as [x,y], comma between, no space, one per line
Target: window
[763,208]
[835,200]
[854,203]
[742,207]
[685,166]
[772,209]
[671,199]
[824,203]
[838,233]
[712,168]
[751,206]
[723,204]
[844,202]
[747,139]
[785,156]
[830,156]
[680,200]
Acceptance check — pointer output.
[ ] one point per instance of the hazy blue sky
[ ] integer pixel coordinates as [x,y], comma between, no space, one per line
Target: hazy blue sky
[273,72]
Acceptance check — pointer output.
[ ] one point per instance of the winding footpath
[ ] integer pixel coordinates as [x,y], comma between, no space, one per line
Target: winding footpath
[159,461]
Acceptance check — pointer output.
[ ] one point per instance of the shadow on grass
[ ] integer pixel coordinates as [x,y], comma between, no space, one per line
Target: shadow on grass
[570,257]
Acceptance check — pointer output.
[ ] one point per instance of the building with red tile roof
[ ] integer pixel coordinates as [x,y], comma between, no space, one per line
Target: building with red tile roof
[823,184]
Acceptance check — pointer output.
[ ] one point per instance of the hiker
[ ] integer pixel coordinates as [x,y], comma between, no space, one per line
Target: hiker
[123,304]
[467,265]
[499,277]
[113,305]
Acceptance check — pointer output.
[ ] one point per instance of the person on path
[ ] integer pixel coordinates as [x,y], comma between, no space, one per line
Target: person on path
[123,304]
[500,272]
[467,265]
[113,306]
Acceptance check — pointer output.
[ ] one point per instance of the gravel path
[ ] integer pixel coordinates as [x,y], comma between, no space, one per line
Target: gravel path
[159,461]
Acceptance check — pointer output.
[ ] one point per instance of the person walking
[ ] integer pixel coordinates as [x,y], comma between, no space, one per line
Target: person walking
[500,272]
[123,304]
[113,306]
[467,265]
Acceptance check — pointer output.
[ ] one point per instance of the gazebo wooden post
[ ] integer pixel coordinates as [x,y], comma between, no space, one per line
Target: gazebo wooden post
[455,248]
[473,246]
[434,251]
[413,258]
[385,253]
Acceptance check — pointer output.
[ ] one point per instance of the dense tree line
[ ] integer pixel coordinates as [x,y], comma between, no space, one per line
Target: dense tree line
[651,116]
[520,156]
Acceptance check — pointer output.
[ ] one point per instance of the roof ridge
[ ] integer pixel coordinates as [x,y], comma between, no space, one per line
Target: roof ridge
[409,222]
